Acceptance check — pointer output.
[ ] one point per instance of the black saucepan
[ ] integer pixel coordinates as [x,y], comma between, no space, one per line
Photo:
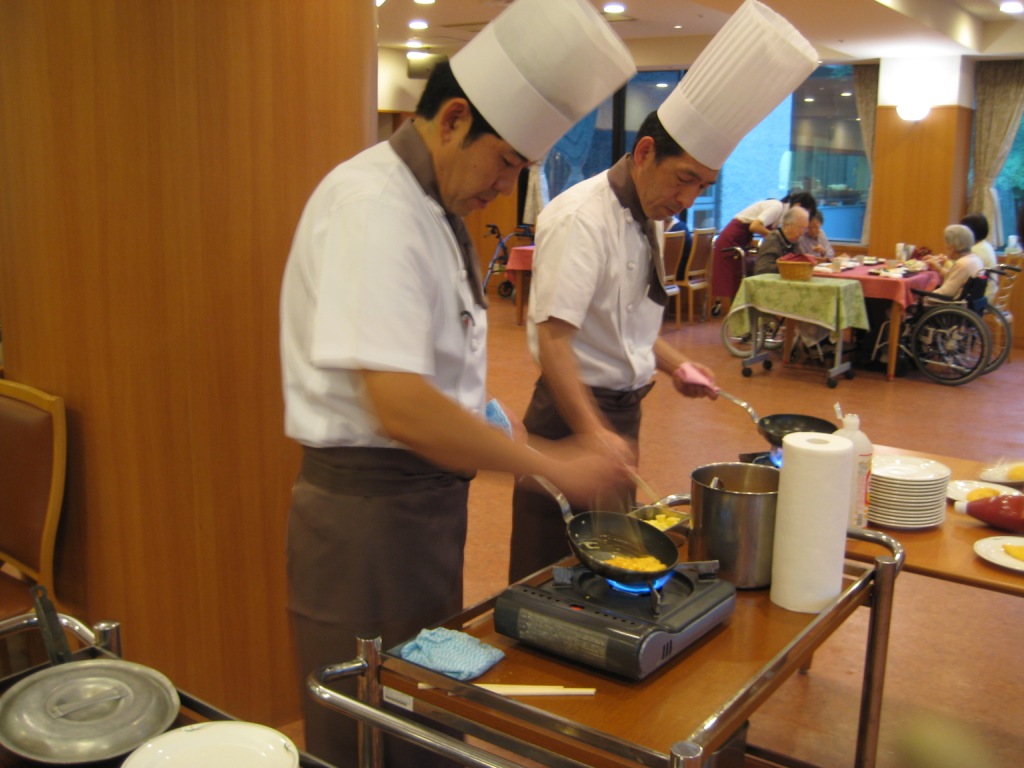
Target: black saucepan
[595,537]
[775,427]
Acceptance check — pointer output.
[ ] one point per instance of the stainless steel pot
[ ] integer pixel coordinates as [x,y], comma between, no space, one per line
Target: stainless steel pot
[82,711]
[732,520]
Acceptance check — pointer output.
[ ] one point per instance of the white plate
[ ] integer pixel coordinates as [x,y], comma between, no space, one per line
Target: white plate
[908,468]
[220,744]
[998,474]
[959,489]
[991,549]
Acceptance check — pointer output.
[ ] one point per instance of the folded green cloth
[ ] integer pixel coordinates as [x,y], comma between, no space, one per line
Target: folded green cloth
[451,652]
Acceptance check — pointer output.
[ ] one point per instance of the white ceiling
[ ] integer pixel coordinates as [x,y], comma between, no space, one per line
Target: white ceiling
[841,30]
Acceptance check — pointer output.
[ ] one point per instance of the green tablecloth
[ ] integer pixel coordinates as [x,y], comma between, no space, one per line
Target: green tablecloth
[832,304]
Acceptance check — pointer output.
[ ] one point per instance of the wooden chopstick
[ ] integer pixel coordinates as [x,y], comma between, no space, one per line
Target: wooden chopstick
[655,498]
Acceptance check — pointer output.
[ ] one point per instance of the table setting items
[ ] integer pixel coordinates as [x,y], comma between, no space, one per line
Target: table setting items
[907,492]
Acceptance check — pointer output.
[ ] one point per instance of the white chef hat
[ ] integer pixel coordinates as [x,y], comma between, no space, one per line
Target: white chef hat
[755,61]
[540,67]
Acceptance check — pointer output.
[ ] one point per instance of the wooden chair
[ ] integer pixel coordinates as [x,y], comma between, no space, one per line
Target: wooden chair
[672,254]
[33,459]
[1001,301]
[697,276]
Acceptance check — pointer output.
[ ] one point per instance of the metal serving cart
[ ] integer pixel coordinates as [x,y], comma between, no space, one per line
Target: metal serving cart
[690,713]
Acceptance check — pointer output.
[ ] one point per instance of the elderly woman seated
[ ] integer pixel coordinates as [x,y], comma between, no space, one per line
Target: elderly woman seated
[959,264]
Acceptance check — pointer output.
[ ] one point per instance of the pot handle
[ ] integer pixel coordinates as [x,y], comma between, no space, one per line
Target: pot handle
[49,625]
[558,496]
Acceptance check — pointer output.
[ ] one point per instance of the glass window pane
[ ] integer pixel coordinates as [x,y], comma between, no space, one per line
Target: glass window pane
[1010,186]
[811,140]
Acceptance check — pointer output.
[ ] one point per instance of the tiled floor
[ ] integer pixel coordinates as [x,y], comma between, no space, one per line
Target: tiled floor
[956,671]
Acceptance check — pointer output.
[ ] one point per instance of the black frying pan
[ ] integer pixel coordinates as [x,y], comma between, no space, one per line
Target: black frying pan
[775,427]
[595,537]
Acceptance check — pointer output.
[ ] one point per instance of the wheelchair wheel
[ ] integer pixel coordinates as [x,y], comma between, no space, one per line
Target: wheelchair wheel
[746,343]
[1001,335]
[737,335]
[950,345]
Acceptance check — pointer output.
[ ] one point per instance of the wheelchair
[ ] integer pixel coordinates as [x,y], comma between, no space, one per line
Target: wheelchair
[953,341]
[499,260]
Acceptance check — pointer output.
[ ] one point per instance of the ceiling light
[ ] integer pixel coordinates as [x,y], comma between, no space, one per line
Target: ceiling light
[1011,6]
[424,2]
[808,99]
[846,93]
[379,3]
[413,44]
[417,55]
[418,24]
[913,111]
[614,8]
[661,85]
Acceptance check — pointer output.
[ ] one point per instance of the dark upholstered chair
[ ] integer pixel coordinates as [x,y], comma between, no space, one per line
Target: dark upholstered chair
[33,458]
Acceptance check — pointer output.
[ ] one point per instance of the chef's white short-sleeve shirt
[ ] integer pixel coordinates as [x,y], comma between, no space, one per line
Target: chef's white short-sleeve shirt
[374,281]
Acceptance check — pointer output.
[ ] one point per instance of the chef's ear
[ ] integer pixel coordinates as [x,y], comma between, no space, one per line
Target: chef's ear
[454,119]
[643,150]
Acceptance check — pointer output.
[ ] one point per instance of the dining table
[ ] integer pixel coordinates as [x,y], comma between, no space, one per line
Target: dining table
[946,551]
[897,290]
[830,304]
[520,269]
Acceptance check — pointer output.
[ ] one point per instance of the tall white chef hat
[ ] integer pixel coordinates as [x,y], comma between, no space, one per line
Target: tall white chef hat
[540,67]
[755,61]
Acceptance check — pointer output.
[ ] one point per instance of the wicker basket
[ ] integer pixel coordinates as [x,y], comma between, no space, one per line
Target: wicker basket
[795,270]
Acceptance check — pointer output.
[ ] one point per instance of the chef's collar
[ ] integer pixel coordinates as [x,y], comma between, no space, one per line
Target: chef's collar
[410,147]
[412,150]
[621,182]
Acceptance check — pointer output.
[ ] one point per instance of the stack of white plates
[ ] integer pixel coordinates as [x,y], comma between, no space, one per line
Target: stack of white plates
[907,492]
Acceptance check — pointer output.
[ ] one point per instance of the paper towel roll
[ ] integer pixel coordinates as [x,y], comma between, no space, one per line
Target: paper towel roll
[810,520]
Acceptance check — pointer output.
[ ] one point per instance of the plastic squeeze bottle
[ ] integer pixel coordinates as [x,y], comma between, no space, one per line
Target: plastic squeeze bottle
[861,486]
[1006,512]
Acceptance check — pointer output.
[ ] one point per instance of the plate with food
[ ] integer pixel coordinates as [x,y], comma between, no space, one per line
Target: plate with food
[1007,551]
[972,490]
[1006,473]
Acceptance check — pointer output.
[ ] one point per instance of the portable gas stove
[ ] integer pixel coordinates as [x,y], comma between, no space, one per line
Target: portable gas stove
[628,630]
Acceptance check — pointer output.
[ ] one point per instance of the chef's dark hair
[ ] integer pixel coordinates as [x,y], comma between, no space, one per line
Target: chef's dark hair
[664,145]
[442,86]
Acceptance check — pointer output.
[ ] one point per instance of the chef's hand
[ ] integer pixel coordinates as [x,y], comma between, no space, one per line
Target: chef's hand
[695,380]
[587,474]
[610,444]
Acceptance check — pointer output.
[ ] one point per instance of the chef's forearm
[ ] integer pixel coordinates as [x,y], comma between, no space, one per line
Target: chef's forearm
[667,357]
[416,414]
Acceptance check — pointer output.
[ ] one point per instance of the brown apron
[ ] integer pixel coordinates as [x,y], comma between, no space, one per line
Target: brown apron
[375,548]
[538,530]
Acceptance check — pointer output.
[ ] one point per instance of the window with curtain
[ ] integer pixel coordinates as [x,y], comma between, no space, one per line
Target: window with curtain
[812,140]
[1010,188]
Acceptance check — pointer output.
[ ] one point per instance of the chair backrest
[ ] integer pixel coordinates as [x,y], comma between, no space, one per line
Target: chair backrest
[973,292]
[672,253]
[700,254]
[33,460]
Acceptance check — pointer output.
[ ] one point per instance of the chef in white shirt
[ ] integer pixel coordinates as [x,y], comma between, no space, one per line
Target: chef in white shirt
[383,346]
[598,292]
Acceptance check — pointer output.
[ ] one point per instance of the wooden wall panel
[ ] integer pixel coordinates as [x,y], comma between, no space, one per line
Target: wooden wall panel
[919,177]
[154,159]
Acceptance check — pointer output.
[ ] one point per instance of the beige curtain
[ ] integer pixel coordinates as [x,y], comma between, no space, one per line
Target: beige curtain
[999,96]
[865,91]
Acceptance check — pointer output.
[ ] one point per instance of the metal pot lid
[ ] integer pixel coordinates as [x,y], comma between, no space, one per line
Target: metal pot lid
[84,711]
